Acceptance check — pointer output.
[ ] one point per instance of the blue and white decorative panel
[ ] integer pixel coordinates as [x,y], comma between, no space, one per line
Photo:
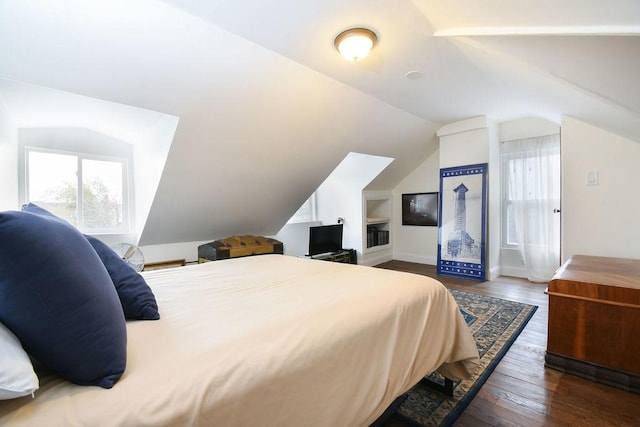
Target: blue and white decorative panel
[461,234]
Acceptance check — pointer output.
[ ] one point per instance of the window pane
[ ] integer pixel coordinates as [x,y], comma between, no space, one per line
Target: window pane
[102,194]
[529,180]
[53,184]
[512,234]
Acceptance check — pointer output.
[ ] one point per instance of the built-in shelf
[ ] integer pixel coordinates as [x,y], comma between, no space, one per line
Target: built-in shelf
[377,221]
[378,248]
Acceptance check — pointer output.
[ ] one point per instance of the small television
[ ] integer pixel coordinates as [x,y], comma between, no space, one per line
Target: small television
[325,239]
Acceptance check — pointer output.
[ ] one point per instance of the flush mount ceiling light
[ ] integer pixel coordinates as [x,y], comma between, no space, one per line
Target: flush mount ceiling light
[355,43]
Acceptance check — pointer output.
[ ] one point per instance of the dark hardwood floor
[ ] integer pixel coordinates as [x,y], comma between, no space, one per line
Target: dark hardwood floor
[521,391]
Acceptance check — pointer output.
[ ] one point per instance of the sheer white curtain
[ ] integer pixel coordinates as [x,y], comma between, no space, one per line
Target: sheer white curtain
[533,169]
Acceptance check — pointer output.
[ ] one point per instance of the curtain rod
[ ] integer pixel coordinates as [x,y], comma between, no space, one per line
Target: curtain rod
[529,137]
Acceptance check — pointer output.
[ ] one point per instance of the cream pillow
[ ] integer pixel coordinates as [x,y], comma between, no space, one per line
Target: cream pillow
[17,377]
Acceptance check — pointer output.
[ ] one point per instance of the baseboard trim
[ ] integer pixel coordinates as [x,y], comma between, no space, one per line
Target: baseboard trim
[494,272]
[513,272]
[415,258]
[598,373]
[371,260]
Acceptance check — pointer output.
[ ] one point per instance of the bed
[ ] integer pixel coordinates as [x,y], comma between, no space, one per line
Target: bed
[269,340]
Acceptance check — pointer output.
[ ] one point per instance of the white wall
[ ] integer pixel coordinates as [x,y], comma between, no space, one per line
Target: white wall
[149,157]
[527,127]
[8,161]
[494,202]
[602,219]
[295,237]
[464,148]
[416,243]
[340,195]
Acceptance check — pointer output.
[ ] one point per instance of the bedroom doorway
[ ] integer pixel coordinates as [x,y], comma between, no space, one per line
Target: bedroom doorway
[531,203]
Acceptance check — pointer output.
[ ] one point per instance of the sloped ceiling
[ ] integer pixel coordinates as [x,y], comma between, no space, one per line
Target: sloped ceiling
[148,132]
[268,108]
[504,76]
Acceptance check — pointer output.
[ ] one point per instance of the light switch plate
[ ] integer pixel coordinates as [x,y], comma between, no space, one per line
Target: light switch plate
[593,178]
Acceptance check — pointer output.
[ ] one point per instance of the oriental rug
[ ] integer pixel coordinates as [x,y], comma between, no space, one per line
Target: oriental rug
[495,324]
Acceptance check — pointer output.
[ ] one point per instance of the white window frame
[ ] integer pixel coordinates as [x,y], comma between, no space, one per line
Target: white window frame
[505,203]
[127,186]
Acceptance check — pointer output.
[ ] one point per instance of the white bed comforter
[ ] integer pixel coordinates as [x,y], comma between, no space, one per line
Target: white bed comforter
[268,340]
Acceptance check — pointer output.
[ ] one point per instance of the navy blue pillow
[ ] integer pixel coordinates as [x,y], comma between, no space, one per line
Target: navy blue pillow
[58,299]
[33,208]
[138,302]
[137,299]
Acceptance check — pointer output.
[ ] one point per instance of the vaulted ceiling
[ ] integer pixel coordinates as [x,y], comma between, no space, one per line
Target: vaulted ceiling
[267,108]
[506,59]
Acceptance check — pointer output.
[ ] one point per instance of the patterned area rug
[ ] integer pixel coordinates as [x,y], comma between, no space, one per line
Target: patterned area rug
[495,324]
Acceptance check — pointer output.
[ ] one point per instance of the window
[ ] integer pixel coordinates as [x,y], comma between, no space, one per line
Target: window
[306,212]
[523,164]
[91,192]
[529,178]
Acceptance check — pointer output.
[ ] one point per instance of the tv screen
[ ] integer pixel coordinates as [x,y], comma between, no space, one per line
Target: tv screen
[325,238]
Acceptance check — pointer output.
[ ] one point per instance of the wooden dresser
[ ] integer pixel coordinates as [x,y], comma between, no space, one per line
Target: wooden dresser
[594,320]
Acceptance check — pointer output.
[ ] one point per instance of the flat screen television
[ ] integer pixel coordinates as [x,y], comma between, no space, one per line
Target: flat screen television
[324,239]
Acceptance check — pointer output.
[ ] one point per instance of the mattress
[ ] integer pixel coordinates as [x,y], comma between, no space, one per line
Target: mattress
[272,340]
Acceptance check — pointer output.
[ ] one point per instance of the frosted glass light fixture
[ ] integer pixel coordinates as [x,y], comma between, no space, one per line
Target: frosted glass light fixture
[355,43]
